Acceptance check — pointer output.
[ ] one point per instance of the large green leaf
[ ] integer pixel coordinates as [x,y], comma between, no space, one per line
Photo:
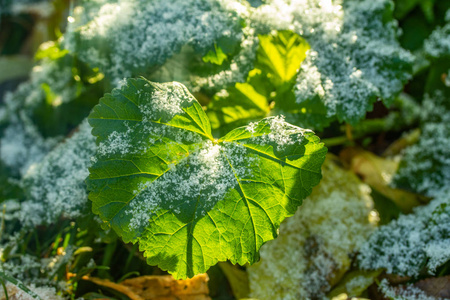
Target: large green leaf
[190,200]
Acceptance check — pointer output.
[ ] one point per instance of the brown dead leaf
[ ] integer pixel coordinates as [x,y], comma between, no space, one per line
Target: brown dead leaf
[159,287]
[115,286]
[437,287]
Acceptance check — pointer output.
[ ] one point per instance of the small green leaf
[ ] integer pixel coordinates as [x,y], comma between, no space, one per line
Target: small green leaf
[215,56]
[51,50]
[189,200]
[281,54]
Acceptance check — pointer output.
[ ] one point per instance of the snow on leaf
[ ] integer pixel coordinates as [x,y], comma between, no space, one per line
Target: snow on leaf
[278,58]
[353,61]
[425,166]
[438,43]
[55,186]
[189,200]
[44,109]
[113,38]
[412,242]
[354,57]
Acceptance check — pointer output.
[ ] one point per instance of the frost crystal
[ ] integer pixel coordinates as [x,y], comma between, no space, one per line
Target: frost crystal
[118,142]
[167,102]
[407,245]
[316,243]
[55,186]
[280,134]
[251,127]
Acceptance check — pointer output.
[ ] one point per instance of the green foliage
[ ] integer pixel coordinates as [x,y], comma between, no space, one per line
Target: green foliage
[190,182]
[269,85]
[190,200]
[240,104]
[215,56]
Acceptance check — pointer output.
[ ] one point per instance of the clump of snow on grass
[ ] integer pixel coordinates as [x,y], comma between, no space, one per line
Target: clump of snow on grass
[316,243]
[36,274]
[14,292]
[11,210]
[55,186]
[403,292]
[30,269]
[413,242]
